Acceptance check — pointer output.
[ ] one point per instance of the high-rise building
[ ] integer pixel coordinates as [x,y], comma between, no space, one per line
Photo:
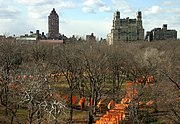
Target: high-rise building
[53,25]
[126,29]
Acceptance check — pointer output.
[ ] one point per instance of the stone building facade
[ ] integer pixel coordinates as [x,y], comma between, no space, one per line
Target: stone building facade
[126,29]
[53,25]
[161,34]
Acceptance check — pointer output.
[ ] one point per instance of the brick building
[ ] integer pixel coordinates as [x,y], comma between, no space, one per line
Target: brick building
[53,25]
[161,34]
[126,29]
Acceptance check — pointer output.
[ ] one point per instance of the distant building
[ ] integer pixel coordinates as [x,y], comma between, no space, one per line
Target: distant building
[72,39]
[90,38]
[51,41]
[102,40]
[161,34]
[39,36]
[126,29]
[53,25]
[2,37]
[31,38]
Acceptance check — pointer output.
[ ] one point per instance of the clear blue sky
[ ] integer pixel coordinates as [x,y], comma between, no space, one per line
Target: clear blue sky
[81,17]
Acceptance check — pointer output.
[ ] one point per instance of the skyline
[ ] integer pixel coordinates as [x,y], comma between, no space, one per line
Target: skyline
[82,17]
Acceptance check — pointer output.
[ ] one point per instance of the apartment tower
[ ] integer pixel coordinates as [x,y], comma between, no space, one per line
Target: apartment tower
[53,25]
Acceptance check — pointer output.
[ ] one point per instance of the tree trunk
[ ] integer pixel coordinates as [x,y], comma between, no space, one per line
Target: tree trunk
[71,110]
[6,89]
[6,99]
[114,88]
[90,117]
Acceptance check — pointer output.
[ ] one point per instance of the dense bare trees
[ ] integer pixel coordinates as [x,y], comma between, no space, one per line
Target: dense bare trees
[11,58]
[91,70]
[67,64]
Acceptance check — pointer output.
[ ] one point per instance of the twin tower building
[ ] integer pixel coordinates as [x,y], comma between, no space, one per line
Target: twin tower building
[126,29]
[122,30]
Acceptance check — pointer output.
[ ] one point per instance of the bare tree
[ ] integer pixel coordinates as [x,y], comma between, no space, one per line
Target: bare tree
[66,61]
[11,57]
[95,66]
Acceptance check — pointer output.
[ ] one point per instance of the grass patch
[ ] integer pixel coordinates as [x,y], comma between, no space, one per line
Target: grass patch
[80,114]
[60,85]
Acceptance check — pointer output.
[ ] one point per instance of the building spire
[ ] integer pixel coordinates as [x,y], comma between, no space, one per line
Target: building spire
[53,11]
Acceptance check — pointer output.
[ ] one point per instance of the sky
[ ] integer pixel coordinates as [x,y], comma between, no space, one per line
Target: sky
[82,17]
